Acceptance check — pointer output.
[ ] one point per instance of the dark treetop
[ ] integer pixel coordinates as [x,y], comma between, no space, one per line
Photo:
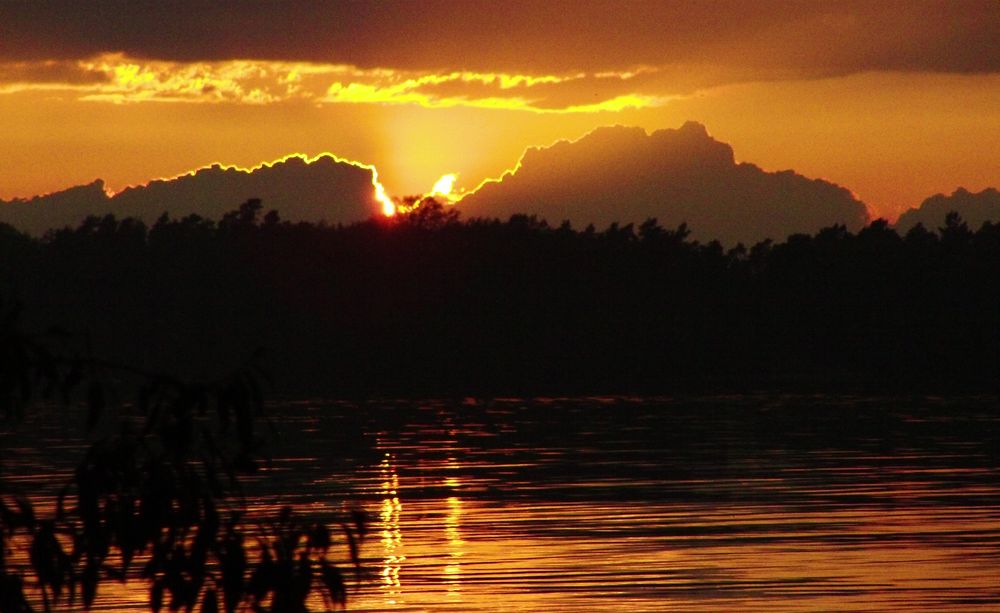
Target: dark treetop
[430,304]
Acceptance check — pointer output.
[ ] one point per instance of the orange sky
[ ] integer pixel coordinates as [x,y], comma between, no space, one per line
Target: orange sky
[895,102]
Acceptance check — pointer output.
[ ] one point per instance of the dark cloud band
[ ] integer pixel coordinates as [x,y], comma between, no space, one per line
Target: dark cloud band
[555,36]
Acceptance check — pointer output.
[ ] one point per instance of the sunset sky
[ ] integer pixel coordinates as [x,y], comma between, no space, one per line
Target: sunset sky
[893,100]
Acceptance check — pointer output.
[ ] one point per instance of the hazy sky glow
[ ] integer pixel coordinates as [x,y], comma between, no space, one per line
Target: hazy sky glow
[895,101]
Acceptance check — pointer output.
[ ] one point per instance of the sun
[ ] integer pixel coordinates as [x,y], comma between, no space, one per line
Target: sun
[444,187]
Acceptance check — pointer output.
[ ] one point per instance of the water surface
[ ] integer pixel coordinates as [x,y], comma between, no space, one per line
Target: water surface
[617,504]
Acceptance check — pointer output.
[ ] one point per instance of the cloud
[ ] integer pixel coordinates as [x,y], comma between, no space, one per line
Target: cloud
[553,37]
[50,71]
[324,188]
[543,57]
[620,174]
[66,207]
[114,77]
[974,208]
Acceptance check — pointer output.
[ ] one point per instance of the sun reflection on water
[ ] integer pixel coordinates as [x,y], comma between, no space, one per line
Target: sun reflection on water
[456,546]
[573,512]
[392,534]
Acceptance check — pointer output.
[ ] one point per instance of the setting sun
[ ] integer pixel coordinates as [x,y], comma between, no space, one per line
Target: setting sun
[500,305]
[444,187]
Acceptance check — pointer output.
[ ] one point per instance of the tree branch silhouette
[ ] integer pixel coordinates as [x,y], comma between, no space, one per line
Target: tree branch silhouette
[161,499]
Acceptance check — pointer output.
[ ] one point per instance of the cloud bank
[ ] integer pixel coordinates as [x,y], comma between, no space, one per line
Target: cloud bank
[780,36]
[975,209]
[620,174]
[477,53]
[324,188]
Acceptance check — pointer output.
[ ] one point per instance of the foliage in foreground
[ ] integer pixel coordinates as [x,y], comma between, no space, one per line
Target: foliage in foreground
[158,500]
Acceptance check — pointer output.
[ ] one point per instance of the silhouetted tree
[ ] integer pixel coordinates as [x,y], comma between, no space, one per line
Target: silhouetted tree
[157,500]
[428,214]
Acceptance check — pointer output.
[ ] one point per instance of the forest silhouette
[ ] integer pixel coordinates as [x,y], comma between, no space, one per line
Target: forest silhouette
[430,304]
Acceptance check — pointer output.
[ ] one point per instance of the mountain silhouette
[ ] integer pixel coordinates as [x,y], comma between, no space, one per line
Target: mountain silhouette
[622,174]
[974,208]
[321,189]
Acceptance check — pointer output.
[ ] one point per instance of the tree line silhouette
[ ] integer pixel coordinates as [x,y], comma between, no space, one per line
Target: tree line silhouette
[428,303]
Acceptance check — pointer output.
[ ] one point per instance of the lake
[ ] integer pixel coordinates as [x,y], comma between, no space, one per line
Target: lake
[742,503]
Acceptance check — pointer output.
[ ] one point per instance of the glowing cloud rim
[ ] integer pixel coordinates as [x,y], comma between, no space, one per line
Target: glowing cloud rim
[379,194]
[442,189]
[120,79]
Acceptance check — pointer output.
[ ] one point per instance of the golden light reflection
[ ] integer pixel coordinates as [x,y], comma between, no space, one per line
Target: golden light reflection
[453,534]
[452,530]
[392,535]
